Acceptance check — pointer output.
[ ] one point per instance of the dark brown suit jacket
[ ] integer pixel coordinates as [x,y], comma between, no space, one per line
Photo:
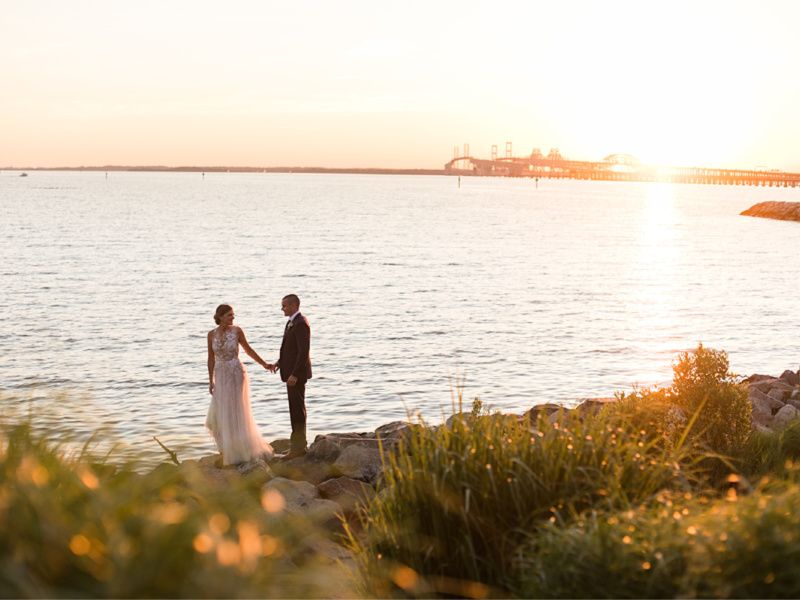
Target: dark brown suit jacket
[295,356]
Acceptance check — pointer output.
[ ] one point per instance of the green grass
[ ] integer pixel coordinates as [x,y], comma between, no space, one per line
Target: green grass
[460,500]
[665,493]
[75,527]
[679,546]
[494,505]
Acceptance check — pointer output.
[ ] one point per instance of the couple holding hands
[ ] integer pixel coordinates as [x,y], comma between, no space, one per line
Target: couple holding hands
[230,418]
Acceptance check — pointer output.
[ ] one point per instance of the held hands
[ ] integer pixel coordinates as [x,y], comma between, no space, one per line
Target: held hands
[270,367]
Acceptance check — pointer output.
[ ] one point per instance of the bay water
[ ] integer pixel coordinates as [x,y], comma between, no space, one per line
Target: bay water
[416,290]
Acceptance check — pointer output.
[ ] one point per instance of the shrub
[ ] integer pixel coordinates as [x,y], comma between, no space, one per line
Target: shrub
[681,546]
[704,388]
[76,527]
[459,499]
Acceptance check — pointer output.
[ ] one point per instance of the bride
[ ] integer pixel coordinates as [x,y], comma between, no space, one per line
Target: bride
[229,419]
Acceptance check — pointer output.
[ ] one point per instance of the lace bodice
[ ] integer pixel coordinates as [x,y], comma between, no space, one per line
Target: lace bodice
[225,345]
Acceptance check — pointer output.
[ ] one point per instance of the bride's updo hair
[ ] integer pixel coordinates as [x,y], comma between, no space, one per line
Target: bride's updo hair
[222,310]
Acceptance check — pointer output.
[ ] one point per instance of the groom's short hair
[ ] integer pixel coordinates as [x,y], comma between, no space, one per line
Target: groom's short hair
[292,298]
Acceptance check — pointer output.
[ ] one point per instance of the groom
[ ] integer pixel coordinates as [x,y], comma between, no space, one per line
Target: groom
[295,367]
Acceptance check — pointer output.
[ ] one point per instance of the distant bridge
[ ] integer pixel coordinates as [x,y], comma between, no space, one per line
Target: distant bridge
[615,167]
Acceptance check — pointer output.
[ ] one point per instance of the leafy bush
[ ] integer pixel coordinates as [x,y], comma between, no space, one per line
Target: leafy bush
[75,527]
[459,499]
[703,386]
[682,546]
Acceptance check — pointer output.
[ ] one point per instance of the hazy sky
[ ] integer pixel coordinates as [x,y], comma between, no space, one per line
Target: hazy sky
[349,83]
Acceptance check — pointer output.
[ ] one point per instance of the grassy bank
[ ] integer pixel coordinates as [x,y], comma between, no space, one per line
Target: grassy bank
[77,527]
[665,493]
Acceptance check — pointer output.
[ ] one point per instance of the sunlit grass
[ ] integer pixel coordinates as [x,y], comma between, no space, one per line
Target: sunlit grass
[78,527]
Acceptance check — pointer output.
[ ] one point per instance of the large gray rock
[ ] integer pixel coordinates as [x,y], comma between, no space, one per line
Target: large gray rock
[785,415]
[393,432]
[304,469]
[546,409]
[790,377]
[302,498]
[779,393]
[762,400]
[282,445]
[763,384]
[359,462]
[593,405]
[329,447]
[346,492]
[210,469]
[761,415]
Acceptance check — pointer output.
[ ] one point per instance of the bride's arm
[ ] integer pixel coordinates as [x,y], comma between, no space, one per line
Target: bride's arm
[210,365]
[250,352]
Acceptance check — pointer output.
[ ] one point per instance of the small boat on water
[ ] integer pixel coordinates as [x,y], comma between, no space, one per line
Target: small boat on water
[23,174]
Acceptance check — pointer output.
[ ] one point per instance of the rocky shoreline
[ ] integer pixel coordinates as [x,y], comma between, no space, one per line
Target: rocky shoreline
[783,211]
[343,470]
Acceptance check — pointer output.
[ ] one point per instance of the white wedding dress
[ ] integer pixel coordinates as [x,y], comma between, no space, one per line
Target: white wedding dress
[230,419]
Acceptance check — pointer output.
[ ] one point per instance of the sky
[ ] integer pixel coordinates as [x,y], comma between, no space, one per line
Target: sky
[350,83]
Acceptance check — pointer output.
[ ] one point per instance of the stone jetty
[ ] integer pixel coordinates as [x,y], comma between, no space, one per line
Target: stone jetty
[783,211]
[344,470]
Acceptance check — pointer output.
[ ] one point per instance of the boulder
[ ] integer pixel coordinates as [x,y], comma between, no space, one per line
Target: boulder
[758,397]
[324,448]
[282,445]
[593,405]
[328,447]
[790,377]
[761,415]
[784,211]
[755,377]
[304,469]
[462,416]
[779,393]
[763,384]
[209,468]
[346,492]
[542,409]
[391,433]
[785,415]
[302,498]
[359,462]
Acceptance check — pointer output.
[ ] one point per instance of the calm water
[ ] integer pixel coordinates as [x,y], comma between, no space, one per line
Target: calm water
[570,290]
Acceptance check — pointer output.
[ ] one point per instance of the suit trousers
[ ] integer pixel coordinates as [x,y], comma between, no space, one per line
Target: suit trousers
[297,414]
